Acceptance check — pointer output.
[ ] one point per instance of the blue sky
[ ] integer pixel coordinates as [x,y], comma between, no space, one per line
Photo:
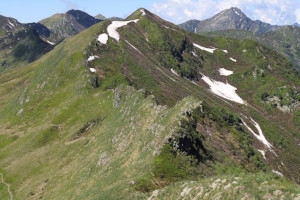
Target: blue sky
[36,10]
[176,11]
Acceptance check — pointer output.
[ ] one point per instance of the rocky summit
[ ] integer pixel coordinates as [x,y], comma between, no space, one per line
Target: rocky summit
[232,18]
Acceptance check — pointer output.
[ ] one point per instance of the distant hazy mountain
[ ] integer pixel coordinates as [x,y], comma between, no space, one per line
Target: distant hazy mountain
[232,18]
[296,24]
[115,18]
[190,25]
[67,24]
[101,17]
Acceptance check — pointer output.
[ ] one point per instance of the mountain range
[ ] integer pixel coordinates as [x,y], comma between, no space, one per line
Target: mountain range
[68,24]
[142,109]
[232,18]
[234,23]
[21,43]
[25,43]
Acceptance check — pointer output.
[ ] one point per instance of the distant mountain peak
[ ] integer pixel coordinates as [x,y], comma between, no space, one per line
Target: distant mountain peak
[232,18]
[296,24]
[101,17]
[231,13]
[68,24]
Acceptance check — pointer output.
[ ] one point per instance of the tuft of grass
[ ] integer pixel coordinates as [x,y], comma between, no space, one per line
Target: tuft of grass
[47,136]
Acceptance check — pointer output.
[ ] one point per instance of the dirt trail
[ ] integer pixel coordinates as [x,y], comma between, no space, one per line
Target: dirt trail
[8,187]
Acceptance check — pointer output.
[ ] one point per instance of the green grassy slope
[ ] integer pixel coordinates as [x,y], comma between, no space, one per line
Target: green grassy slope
[284,40]
[67,133]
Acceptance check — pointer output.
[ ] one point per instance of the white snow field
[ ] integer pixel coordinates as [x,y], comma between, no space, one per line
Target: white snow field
[263,153]
[112,28]
[261,136]
[232,59]
[91,58]
[103,38]
[277,173]
[226,91]
[174,72]
[225,51]
[50,42]
[93,70]
[210,50]
[11,23]
[143,12]
[225,72]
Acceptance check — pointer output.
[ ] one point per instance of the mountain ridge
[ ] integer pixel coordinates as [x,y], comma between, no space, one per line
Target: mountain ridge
[21,43]
[68,24]
[232,18]
[134,110]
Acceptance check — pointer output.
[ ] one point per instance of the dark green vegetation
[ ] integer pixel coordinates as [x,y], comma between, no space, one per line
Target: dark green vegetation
[234,23]
[20,43]
[190,153]
[284,40]
[134,125]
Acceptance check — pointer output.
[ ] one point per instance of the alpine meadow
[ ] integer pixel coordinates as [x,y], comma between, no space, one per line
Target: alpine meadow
[142,108]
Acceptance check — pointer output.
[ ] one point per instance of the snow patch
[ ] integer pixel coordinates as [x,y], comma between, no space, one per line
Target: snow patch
[232,59]
[143,12]
[263,153]
[277,173]
[50,42]
[236,12]
[11,23]
[103,38]
[174,72]
[226,91]
[170,28]
[204,48]
[210,50]
[216,17]
[194,54]
[91,58]
[225,72]
[93,70]
[112,28]
[244,50]
[260,137]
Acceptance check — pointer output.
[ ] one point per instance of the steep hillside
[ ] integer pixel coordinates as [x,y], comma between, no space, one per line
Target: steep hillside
[68,24]
[139,108]
[190,25]
[21,43]
[232,18]
[284,40]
